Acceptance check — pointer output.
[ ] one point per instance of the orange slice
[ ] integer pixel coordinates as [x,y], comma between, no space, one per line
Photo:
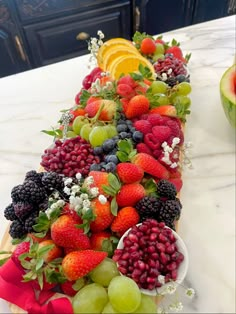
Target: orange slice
[115,52]
[128,63]
[111,43]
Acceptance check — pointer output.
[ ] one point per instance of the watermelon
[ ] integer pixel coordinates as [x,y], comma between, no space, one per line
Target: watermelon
[228,94]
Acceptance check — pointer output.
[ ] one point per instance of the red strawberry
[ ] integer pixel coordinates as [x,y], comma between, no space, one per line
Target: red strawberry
[177,52]
[175,175]
[143,148]
[70,211]
[107,112]
[124,102]
[167,110]
[130,194]
[78,264]
[177,182]
[159,41]
[54,252]
[125,91]
[67,288]
[78,111]
[103,215]
[137,106]
[46,285]
[64,233]
[141,89]
[129,173]
[128,80]
[100,178]
[143,126]
[148,46]
[126,218]
[36,239]
[150,165]
[151,141]
[161,132]
[21,248]
[97,239]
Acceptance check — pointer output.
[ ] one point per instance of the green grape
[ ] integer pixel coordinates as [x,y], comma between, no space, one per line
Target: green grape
[71,134]
[160,50]
[182,100]
[78,123]
[183,88]
[157,57]
[108,309]
[147,305]
[104,272]
[85,131]
[111,130]
[98,135]
[159,87]
[90,299]
[162,99]
[124,294]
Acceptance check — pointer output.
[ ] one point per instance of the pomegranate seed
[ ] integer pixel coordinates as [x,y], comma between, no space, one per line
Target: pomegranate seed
[171,266]
[174,274]
[141,265]
[160,247]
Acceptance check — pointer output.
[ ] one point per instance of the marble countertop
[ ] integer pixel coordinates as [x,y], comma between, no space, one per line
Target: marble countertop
[31,101]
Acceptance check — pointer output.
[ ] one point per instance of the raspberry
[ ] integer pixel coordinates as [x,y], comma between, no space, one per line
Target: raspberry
[143,148]
[174,126]
[161,132]
[151,141]
[125,91]
[157,119]
[128,80]
[143,126]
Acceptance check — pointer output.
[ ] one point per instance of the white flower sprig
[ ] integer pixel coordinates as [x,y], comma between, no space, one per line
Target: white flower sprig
[93,46]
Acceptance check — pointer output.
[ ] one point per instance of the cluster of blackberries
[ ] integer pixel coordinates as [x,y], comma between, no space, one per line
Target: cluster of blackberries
[29,198]
[107,151]
[165,207]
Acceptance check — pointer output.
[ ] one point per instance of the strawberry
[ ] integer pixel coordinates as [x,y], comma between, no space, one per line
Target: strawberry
[97,239]
[46,285]
[177,182]
[67,288]
[103,215]
[137,106]
[159,41]
[78,264]
[128,80]
[161,132]
[147,46]
[36,239]
[126,218]
[71,212]
[177,52]
[100,178]
[64,233]
[107,113]
[55,251]
[141,89]
[150,165]
[77,111]
[130,194]
[21,248]
[125,91]
[124,103]
[143,148]
[129,173]
[167,110]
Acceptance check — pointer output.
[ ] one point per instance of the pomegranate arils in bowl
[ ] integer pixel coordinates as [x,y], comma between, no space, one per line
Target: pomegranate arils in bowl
[149,250]
[69,157]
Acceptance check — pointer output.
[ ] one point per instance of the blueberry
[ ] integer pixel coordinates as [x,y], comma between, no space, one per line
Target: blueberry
[111,158]
[132,129]
[110,167]
[181,78]
[108,145]
[138,136]
[121,128]
[98,150]
[95,167]
[129,122]
[123,135]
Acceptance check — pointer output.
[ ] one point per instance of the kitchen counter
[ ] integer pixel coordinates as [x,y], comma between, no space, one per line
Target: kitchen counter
[31,101]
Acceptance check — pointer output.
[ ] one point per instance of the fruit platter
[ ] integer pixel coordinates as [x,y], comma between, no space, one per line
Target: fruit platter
[95,228]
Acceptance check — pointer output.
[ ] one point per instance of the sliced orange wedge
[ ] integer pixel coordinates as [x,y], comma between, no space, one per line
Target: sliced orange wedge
[116,52]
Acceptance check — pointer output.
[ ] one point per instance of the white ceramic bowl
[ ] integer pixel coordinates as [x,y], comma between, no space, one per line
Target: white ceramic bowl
[182,269]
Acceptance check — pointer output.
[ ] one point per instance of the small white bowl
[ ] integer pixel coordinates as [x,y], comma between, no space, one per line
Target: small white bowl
[182,269]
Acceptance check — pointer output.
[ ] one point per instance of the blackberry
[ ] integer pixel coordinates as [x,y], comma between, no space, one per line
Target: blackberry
[15,193]
[23,209]
[9,212]
[30,222]
[34,176]
[17,229]
[30,192]
[43,205]
[166,189]
[148,207]
[52,181]
[170,211]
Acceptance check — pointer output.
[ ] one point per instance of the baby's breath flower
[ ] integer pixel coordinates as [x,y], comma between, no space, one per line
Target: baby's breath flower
[161,279]
[48,212]
[60,203]
[67,190]
[77,208]
[175,141]
[94,191]
[176,307]
[89,180]
[100,34]
[86,203]
[68,181]
[75,188]
[74,201]
[190,292]
[174,165]
[169,289]
[54,206]
[84,196]
[102,199]
[78,176]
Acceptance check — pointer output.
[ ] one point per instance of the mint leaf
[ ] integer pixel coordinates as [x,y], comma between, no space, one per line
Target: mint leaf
[114,182]
[114,207]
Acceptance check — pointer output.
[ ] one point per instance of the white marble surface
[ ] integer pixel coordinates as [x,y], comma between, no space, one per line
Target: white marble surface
[30,102]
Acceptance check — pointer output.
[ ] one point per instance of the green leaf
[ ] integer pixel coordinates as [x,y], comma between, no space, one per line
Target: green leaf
[31,275]
[39,234]
[174,42]
[187,57]
[136,76]
[54,276]
[43,223]
[25,264]
[107,246]
[84,98]
[5,252]
[108,190]
[123,157]
[39,263]
[138,37]
[132,154]
[88,215]
[145,71]
[150,186]
[125,146]
[114,207]
[114,239]
[114,182]
[4,260]
[45,249]
[18,241]
[40,280]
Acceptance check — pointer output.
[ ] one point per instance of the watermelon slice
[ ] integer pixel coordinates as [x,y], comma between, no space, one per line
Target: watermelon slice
[228,94]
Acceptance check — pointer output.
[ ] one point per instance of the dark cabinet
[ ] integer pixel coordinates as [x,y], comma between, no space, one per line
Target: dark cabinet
[40,32]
